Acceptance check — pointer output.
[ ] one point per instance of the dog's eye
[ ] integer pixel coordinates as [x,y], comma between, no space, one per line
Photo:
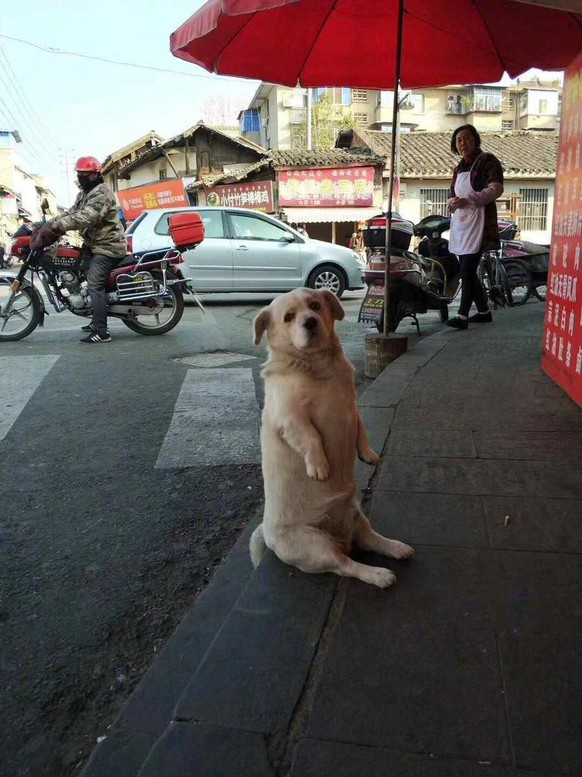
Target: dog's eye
[289,317]
[315,306]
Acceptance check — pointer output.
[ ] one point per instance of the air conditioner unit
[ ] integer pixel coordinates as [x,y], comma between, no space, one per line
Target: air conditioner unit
[296,117]
[289,103]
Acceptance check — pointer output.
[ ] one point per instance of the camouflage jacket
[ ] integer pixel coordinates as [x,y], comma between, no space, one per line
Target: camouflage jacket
[94,215]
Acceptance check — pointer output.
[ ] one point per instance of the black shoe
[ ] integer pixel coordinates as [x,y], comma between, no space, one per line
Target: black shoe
[96,338]
[458,323]
[88,328]
[481,318]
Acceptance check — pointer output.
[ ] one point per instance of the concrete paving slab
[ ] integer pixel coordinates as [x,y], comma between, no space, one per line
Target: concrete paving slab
[545,479]
[125,753]
[256,667]
[434,444]
[204,751]
[430,519]
[521,523]
[413,688]
[516,444]
[482,416]
[449,587]
[543,685]
[316,758]
[543,591]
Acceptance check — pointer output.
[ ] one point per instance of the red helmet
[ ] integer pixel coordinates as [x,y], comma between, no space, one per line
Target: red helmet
[88,164]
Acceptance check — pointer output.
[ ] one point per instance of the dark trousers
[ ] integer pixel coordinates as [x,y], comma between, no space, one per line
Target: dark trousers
[471,288]
[99,269]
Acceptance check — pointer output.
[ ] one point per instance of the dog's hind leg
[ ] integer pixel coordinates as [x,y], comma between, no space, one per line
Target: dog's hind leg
[313,551]
[363,447]
[257,546]
[366,538]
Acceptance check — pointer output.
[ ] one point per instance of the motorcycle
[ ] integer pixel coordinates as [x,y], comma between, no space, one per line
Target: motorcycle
[145,293]
[430,278]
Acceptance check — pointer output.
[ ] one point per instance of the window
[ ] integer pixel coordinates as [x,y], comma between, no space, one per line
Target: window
[361,119]
[250,121]
[339,95]
[543,107]
[417,101]
[255,228]
[486,100]
[163,174]
[212,223]
[359,95]
[534,209]
[506,124]
[433,201]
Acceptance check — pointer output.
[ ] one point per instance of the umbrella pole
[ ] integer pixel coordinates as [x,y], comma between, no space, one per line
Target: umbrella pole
[395,105]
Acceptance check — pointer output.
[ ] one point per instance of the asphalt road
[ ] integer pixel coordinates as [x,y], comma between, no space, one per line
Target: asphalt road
[127,472]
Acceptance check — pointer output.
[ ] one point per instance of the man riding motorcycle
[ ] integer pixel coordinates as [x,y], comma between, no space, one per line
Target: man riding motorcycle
[95,215]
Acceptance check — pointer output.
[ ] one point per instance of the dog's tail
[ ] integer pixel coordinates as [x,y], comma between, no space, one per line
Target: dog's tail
[257,545]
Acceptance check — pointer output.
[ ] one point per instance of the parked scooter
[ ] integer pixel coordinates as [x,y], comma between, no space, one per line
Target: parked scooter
[430,278]
[145,293]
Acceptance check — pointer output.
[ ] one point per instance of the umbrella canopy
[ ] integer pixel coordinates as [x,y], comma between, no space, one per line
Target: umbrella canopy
[353,42]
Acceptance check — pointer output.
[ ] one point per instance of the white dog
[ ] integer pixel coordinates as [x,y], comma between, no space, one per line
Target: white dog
[311,431]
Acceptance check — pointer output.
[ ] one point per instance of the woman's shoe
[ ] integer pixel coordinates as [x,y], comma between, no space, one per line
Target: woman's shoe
[458,323]
[481,318]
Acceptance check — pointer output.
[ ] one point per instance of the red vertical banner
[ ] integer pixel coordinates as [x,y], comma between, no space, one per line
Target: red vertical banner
[562,345]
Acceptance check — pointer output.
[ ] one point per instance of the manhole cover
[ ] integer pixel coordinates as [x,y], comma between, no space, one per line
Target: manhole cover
[218,359]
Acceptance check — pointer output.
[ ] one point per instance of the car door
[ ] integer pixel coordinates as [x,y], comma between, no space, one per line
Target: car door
[266,255]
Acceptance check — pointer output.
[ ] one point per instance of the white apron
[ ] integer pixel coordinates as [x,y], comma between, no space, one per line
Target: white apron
[468,223]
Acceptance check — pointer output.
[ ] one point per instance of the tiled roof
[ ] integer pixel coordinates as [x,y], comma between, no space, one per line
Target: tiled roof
[330,158]
[522,153]
[213,179]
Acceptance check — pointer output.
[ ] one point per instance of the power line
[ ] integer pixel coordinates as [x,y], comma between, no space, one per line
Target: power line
[26,102]
[11,90]
[52,50]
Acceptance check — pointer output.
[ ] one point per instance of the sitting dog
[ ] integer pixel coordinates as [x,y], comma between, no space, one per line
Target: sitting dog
[311,431]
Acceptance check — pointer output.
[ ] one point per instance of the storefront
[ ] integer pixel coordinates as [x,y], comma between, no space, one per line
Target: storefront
[329,201]
[256,195]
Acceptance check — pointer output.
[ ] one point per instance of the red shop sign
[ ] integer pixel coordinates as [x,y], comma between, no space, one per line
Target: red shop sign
[562,345]
[255,196]
[322,187]
[165,194]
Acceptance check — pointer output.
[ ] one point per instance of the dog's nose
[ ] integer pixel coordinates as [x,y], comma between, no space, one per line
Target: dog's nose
[310,323]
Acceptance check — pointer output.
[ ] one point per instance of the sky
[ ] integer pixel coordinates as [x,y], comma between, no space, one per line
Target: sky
[66,106]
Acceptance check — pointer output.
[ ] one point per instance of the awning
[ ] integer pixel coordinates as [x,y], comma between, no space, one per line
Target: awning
[319,215]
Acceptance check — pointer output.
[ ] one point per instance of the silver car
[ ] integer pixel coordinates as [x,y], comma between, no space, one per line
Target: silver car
[248,251]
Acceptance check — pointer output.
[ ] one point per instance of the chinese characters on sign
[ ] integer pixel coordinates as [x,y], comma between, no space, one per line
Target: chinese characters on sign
[327,187]
[165,194]
[256,196]
[562,345]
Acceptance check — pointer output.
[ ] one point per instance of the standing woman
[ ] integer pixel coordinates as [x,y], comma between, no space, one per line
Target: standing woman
[477,183]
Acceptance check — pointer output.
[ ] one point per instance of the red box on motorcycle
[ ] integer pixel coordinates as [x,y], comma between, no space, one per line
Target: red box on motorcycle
[186,229]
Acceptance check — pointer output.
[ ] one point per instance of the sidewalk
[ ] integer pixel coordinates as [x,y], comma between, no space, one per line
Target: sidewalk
[470,665]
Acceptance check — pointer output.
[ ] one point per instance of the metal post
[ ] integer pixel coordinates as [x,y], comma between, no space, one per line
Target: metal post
[388,244]
[309,118]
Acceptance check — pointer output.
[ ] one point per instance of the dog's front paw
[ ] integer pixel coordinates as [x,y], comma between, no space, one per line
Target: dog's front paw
[383,578]
[401,550]
[369,457]
[318,470]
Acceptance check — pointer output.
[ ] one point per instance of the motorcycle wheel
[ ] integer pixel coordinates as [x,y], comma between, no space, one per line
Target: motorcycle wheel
[24,316]
[395,316]
[160,323]
[540,290]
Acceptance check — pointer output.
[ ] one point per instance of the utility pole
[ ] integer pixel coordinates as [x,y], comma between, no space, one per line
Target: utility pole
[309,118]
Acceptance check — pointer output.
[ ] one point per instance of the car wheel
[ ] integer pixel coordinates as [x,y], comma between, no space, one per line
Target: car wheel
[326,276]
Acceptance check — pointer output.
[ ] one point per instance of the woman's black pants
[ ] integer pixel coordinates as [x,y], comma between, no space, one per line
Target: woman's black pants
[471,288]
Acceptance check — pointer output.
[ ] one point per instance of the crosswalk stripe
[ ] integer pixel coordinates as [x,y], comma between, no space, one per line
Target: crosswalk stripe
[215,421]
[20,376]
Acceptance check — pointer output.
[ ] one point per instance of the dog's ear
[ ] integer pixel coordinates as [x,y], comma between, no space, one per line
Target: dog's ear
[260,323]
[334,305]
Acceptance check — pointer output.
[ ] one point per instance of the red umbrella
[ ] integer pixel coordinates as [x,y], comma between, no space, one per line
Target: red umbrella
[377,44]
[353,42]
